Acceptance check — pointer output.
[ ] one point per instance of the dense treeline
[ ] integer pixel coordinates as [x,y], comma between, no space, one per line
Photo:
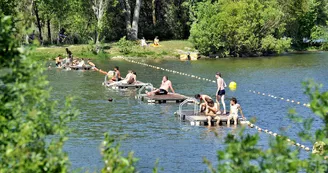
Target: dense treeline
[222,28]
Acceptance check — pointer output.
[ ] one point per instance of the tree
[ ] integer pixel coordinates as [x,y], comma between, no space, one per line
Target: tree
[239,28]
[99,8]
[131,27]
[27,114]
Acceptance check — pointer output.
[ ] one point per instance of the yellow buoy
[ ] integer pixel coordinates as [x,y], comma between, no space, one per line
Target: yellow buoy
[232,86]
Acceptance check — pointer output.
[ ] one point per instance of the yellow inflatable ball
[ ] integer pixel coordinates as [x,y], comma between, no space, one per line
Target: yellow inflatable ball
[232,86]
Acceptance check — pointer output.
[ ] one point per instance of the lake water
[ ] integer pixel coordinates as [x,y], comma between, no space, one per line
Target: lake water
[153,132]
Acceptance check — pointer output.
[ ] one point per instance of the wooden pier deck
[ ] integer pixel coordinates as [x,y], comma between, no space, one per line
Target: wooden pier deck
[119,85]
[168,98]
[201,119]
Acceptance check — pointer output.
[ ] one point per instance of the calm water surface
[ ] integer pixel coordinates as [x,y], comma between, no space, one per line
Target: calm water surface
[153,132]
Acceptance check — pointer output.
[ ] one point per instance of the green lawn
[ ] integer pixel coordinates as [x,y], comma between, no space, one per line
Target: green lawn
[166,49]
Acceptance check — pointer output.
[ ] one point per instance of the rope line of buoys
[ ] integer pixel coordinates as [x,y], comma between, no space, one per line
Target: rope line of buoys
[280,98]
[213,81]
[290,141]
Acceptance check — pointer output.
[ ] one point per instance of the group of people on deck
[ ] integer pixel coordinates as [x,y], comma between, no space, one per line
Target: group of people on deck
[207,105]
[130,78]
[212,109]
[69,61]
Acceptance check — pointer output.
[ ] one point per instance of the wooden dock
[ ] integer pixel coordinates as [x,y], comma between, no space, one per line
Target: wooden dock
[201,119]
[168,98]
[120,85]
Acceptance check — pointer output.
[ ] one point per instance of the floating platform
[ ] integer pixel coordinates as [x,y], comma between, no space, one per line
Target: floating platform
[87,67]
[120,85]
[168,98]
[201,118]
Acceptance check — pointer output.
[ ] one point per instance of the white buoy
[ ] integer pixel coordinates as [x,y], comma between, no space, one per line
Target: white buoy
[274,134]
[266,130]
[302,146]
[270,132]
[259,129]
[307,149]
[298,144]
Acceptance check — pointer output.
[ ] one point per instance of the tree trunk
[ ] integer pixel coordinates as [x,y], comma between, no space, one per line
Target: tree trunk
[136,14]
[99,7]
[49,31]
[154,11]
[131,30]
[36,11]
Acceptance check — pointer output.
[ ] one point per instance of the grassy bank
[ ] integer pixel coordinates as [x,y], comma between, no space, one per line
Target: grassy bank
[167,49]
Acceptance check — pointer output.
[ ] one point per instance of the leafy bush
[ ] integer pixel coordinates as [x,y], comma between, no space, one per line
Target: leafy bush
[125,46]
[114,161]
[27,115]
[238,27]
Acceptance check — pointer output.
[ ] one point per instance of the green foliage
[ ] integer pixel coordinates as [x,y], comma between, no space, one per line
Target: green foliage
[320,33]
[114,161]
[242,153]
[241,28]
[27,115]
[125,46]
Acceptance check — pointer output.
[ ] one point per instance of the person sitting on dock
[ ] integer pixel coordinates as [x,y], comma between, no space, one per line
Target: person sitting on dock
[234,107]
[163,90]
[117,76]
[205,98]
[130,78]
[58,61]
[210,111]
[81,63]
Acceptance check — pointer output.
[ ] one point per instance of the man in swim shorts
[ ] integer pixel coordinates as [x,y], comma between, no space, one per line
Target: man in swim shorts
[220,93]
[205,98]
[163,90]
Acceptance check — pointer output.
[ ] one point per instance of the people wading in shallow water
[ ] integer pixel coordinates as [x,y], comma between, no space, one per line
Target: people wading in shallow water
[220,93]
[163,90]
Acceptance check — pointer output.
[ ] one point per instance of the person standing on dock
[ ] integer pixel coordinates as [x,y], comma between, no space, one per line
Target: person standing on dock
[69,55]
[163,90]
[220,92]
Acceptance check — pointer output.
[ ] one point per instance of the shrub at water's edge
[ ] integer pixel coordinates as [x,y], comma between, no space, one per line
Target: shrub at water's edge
[239,28]
[28,116]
